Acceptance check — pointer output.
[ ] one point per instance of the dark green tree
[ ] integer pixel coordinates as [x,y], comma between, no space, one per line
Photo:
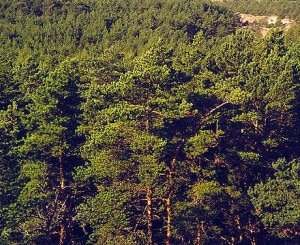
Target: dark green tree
[277,200]
[46,203]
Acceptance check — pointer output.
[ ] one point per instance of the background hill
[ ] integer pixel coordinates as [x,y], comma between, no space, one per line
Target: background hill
[282,8]
[263,15]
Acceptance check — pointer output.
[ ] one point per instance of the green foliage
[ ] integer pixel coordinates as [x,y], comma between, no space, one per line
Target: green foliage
[277,199]
[130,123]
[201,190]
[110,225]
[35,187]
[201,142]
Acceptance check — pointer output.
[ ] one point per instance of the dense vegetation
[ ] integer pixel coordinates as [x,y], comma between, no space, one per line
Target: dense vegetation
[146,122]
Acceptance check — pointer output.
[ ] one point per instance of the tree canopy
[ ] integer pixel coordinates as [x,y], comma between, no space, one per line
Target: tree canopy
[146,122]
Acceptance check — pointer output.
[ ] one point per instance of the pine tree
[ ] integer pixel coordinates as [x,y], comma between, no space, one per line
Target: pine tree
[276,200]
[49,156]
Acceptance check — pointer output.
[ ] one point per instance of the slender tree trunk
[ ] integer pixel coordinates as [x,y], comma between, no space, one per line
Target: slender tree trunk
[240,229]
[232,240]
[62,234]
[198,239]
[253,241]
[169,201]
[149,216]
[169,220]
[255,123]
[62,174]
[149,192]
[198,234]
[63,225]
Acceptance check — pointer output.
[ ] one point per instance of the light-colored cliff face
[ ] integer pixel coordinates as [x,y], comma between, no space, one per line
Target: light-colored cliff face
[273,19]
[264,23]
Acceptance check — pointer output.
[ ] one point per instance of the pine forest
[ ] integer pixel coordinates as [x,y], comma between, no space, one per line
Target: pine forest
[149,122]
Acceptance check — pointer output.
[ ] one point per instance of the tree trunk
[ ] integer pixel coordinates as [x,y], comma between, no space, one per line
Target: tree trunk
[232,240]
[62,234]
[61,174]
[149,191]
[169,202]
[239,229]
[169,220]
[253,241]
[63,225]
[149,216]
[199,234]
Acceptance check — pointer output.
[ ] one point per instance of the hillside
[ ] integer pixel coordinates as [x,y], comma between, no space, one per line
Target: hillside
[261,16]
[281,8]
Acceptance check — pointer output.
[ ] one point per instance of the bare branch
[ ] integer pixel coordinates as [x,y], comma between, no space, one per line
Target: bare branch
[218,107]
